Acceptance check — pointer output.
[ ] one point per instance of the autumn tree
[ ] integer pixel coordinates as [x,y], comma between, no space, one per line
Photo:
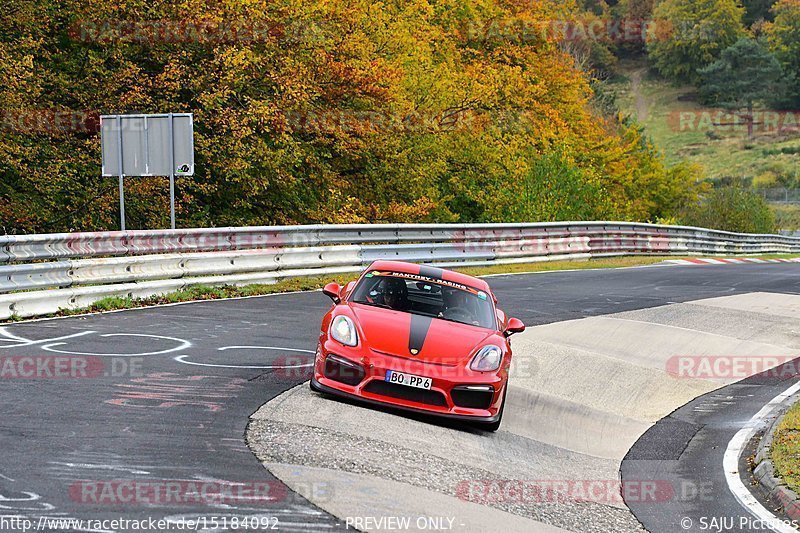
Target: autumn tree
[315,112]
[636,12]
[699,30]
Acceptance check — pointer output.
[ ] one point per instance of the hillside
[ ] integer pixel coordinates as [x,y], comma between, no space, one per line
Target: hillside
[688,131]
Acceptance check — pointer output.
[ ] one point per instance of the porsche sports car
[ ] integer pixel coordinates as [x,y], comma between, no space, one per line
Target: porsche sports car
[417,338]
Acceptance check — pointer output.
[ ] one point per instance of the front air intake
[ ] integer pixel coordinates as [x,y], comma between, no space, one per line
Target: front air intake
[342,370]
[473,396]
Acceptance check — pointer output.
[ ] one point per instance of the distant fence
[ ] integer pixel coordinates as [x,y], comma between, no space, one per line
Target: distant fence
[40,274]
[781,195]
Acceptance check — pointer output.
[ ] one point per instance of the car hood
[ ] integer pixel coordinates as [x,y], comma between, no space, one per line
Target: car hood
[399,334]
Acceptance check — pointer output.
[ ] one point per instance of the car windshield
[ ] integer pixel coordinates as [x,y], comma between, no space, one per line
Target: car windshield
[422,295]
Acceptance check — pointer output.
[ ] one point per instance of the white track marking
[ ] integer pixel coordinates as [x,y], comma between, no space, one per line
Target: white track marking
[730,463]
[263,348]
[28,342]
[88,466]
[182,358]
[31,497]
[10,337]
[182,345]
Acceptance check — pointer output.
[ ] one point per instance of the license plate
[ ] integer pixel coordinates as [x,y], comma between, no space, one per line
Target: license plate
[409,380]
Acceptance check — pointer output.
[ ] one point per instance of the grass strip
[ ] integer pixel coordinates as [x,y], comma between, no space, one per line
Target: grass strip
[785,449]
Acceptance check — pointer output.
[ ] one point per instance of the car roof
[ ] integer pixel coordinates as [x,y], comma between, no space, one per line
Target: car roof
[430,271]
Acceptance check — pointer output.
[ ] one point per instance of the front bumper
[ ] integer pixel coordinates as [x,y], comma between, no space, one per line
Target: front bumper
[366,381]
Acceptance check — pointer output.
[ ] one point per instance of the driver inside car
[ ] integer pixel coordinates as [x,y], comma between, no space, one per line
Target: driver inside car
[395,294]
[456,306]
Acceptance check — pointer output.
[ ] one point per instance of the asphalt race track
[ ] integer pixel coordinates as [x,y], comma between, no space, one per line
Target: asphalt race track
[169,390]
[687,448]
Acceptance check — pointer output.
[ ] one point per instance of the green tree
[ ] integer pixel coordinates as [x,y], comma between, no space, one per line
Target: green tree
[693,34]
[756,10]
[783,36]
[746,73]
[552,189]
[731,209]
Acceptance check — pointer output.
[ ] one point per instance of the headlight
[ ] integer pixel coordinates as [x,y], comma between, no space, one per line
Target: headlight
[487,359]
[344,331]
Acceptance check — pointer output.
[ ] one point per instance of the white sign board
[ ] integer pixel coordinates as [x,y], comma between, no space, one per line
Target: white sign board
[149,145]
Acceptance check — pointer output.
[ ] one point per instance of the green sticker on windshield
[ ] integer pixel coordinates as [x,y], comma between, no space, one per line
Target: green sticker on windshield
[369,275]
[482,295]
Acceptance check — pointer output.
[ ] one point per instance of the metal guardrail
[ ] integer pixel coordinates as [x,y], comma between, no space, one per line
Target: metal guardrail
[74,269]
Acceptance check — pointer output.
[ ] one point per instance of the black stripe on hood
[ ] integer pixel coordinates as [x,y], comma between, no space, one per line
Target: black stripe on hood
[430,272]
[419,332]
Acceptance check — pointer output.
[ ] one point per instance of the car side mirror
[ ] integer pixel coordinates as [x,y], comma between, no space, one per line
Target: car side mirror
[346,289]
[515,325]
[332,290]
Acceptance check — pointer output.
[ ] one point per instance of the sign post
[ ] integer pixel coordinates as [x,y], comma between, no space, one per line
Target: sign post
[147,145]
[121,176]
[171,171]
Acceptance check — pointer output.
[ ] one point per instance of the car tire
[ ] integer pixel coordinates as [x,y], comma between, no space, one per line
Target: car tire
[494,426]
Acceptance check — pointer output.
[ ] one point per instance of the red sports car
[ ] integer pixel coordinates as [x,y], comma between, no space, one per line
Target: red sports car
[417,338]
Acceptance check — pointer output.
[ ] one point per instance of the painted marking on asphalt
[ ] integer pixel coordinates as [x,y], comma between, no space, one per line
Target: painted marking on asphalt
[88,466]
[729,261]
[224,348]
[28,342]
[29,497]
[182,358]
[182,345]
[10,337]
[730,463]
[165,390]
